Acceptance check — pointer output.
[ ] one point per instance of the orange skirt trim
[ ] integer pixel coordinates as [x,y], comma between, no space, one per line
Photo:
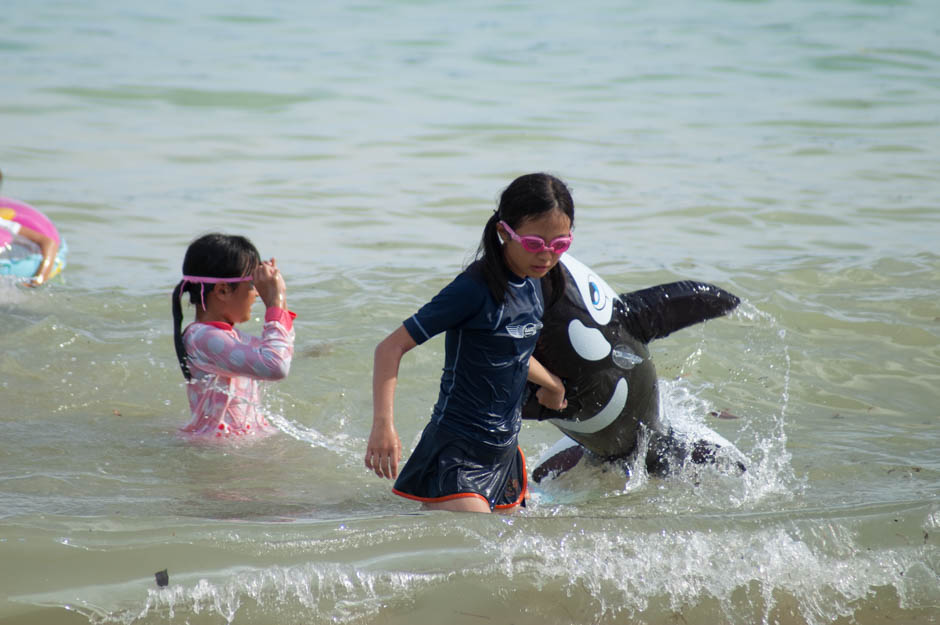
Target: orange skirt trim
[438,499]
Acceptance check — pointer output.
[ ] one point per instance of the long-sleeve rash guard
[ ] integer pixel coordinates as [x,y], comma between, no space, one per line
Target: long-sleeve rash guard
[227,366]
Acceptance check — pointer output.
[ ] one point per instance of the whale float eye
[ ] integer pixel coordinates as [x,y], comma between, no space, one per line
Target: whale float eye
[596,296]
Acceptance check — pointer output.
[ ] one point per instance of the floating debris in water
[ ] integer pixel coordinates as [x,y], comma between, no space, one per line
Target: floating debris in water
[724,414]
[163,578]
[316,350]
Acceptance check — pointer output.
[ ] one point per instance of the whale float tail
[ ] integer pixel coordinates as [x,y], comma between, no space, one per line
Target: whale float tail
[658,311]
[668,452]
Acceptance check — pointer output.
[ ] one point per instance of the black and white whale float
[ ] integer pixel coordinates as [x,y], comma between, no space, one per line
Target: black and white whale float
[596,341]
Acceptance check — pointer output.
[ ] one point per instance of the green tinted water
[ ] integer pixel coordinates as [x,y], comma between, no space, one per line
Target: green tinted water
[786,151]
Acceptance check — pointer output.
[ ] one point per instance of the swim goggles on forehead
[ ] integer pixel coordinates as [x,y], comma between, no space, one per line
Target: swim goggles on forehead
[202,281]
[534,244]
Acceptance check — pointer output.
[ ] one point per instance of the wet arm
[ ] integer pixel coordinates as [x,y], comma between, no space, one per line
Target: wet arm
[232,353]
[551,393]
[48,247]
[383,452]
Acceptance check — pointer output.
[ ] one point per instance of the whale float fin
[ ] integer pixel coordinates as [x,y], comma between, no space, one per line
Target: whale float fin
[658,311]
[559,463]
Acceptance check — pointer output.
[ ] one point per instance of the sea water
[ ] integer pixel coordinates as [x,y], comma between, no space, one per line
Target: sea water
[785,150]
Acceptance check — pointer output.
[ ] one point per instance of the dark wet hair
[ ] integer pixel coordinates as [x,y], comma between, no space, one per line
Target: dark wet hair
[527,197]
[210,256]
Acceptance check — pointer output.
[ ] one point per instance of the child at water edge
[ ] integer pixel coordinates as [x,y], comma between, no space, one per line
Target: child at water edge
[47,245]
[223,275]
[468,458]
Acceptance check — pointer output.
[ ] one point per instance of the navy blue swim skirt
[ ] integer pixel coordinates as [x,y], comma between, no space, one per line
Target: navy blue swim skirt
[445,466]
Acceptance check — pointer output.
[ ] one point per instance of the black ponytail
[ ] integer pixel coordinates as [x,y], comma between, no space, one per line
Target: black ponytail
[210,256]
[178,331]
[527,197]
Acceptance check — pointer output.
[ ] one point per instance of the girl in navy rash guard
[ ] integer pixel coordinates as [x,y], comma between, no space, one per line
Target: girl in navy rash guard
[468,458]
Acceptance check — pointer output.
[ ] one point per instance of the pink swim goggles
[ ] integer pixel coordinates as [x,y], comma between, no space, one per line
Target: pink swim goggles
[202,281]
[534,244]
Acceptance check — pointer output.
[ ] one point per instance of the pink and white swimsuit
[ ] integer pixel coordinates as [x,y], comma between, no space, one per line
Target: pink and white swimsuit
[226,366]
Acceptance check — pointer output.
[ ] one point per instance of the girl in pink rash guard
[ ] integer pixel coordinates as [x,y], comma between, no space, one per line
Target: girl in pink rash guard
[223,275]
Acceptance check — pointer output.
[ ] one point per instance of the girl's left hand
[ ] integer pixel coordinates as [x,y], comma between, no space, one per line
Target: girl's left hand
[270,284]
[551,393]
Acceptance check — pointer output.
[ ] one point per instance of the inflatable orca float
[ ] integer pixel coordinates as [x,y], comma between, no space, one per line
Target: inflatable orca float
[596,341]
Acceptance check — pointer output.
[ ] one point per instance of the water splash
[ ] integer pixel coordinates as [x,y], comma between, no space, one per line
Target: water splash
[803,572]
[532,569]
[10,293]
[757,393]
[312,592]
[340,442]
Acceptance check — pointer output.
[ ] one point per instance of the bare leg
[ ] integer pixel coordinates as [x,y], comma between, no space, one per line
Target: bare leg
[461,504]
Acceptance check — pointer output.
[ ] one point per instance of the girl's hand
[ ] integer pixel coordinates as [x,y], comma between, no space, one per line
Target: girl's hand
[49,249]
[552,398]
[270,285]
[551,393]
[383,452]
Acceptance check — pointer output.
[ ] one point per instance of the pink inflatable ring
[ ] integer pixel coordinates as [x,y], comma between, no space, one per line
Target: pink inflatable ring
[20,257]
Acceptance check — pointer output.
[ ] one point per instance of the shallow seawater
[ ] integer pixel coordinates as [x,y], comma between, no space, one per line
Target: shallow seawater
[786,151]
